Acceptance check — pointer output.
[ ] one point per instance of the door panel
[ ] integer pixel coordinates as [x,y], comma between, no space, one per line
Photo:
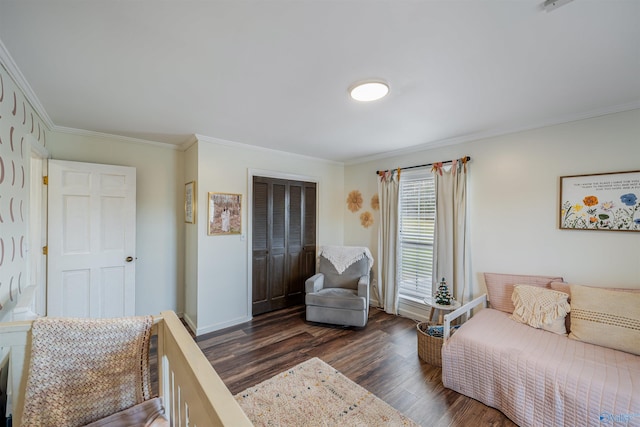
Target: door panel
[309,231]
[112,288]
[260,242]
[91,235]
[112,228]
[259,288]
[260,245]
[278,275]
[295,282]
[277,251]
[76,217]
[76,289]
[295,216]
[278,218]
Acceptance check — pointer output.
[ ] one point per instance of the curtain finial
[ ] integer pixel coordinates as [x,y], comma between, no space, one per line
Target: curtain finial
[437,167]
[464,161]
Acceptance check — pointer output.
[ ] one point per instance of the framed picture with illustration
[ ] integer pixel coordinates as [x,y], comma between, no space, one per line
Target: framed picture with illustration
[605,201]
[190,202]
[225,214]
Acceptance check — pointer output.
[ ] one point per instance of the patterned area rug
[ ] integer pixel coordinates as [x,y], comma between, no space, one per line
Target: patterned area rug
[315,394]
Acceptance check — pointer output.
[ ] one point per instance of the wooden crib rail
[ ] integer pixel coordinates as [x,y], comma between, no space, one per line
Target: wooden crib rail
[193,393]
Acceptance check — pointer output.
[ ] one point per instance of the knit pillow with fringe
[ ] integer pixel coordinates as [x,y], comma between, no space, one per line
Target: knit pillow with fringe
[540,308]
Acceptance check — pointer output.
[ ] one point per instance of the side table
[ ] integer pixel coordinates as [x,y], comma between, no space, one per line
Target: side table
[441,309]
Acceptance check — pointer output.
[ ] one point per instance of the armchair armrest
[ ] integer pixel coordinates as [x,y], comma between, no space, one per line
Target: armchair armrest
[314,283]
[363,287]
[465,309]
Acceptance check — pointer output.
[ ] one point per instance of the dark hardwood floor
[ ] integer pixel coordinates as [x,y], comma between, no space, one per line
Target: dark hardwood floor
[382,357]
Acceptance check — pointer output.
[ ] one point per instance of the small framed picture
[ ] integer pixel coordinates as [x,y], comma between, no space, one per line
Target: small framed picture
[190,202]
[225,214]
[604,201]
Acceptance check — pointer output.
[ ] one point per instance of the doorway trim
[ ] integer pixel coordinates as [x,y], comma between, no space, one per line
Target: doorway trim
[249,233]
[37,229]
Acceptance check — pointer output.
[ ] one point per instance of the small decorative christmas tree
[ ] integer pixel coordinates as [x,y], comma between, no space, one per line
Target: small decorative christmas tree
[442,296]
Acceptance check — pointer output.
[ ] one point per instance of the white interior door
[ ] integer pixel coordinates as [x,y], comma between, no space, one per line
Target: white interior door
[91,260]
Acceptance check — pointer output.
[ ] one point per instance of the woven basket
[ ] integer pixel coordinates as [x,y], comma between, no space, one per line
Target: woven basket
[429,348]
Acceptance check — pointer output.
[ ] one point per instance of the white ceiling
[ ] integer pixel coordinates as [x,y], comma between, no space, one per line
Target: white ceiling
[275,73]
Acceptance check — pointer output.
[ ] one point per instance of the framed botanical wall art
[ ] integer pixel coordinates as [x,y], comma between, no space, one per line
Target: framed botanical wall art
[606,201]
[225,214]
[190,202]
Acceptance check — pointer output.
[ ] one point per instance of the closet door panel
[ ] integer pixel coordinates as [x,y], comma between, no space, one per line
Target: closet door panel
[294,240]
[260,247]
[277,278]
[308,267]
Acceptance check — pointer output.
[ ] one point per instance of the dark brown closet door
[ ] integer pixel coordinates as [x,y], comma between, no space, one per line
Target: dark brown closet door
[309,231]
[283,242]
[295,281]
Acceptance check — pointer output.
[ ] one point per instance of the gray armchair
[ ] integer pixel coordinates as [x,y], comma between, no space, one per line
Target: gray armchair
[340,298]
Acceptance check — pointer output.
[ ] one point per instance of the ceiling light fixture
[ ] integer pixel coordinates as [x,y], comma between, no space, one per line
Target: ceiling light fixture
[369,90]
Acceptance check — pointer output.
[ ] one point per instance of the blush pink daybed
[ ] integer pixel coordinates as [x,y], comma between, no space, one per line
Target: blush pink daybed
[536,377]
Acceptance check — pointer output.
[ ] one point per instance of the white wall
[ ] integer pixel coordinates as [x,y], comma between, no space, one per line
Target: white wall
[159,211]
[224,262]
[513,197]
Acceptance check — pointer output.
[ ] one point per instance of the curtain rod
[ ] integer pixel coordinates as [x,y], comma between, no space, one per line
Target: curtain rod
[425,165]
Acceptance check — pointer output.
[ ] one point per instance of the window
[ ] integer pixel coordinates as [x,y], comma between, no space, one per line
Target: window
[417,226]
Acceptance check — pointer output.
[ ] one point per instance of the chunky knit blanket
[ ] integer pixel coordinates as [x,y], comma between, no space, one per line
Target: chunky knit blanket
[82,370]
[342,257]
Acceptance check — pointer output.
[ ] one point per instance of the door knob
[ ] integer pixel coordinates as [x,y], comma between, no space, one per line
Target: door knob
[129,259]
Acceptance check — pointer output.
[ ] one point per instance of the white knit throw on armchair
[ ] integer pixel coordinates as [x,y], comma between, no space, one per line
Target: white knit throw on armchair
[342,257]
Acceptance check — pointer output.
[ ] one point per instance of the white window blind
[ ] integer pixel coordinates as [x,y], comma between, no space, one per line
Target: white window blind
[417,226]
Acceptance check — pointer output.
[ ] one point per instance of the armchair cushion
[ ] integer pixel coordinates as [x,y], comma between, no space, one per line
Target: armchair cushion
[337,298]
[348,279]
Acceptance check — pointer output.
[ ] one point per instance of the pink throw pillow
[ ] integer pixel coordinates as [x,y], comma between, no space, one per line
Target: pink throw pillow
[500,287]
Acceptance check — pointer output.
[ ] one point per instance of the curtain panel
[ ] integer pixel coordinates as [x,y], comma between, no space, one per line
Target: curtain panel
[387,285]
[451,253]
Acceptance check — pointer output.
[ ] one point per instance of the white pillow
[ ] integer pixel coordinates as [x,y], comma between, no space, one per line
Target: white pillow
[540,308]
[605,317]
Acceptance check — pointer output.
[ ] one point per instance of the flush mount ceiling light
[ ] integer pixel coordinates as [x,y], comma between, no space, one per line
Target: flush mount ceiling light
[368,91]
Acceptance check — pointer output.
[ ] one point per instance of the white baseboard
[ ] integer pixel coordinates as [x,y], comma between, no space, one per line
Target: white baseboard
[189,322]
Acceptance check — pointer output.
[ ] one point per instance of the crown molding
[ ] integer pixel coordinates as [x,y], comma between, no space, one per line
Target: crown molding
[188,143]
[90,133]
[240,145]
[14,72]
[498,132]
